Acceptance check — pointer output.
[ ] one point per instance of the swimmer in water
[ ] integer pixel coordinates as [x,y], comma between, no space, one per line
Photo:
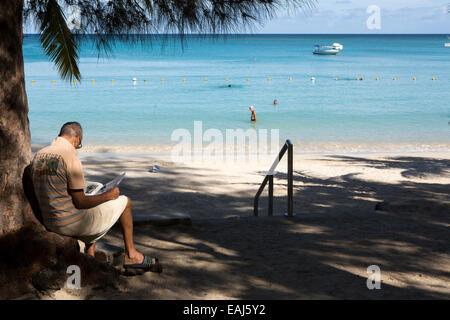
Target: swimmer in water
[275,102]
[253,118]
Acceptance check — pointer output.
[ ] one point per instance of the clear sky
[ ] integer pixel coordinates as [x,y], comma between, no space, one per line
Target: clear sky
[350,16]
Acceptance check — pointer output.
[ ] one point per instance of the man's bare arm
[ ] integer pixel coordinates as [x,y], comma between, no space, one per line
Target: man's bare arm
[82,201]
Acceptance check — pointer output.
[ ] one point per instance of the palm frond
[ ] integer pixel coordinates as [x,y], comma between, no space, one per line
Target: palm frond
[106,21]
[58,42]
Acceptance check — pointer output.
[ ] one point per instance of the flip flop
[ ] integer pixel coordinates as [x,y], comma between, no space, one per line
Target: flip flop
[148,264]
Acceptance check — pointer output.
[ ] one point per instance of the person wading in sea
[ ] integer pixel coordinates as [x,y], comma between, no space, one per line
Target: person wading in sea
[253,117]
[59,184]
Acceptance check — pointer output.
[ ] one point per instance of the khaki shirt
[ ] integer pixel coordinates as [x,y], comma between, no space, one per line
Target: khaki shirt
[55,170]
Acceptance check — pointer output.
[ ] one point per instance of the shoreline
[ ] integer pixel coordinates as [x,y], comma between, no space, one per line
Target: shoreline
[310,148]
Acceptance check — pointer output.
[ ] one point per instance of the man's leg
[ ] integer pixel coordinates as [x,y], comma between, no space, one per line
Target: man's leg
[126,221]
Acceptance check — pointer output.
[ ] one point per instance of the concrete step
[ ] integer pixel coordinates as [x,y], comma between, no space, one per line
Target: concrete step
[165,219]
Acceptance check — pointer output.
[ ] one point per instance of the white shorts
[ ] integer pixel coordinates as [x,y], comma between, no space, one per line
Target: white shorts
[96,222]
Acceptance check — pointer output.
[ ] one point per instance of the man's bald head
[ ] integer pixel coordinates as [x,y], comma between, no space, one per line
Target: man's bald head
[71,130]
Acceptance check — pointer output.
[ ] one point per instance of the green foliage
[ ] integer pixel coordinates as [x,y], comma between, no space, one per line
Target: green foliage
[108,21]
[58,42]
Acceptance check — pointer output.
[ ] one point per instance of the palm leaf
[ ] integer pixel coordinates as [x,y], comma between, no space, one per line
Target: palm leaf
[58,42]
[108,21]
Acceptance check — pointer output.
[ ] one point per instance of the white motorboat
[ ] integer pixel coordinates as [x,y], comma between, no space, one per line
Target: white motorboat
[334,49]
[448,43]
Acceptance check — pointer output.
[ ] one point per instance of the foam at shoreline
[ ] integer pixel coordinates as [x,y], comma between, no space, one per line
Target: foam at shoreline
[299,147]
[100,153]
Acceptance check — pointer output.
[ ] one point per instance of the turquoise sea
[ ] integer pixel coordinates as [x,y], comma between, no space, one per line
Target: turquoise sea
[327,114]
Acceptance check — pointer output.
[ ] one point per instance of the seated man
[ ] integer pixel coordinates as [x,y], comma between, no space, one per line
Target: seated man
[58,183]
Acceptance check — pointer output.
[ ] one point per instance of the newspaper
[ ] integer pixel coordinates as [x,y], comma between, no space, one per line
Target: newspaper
[96,188]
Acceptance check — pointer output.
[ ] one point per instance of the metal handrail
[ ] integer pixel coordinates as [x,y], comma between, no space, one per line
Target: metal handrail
[288,146]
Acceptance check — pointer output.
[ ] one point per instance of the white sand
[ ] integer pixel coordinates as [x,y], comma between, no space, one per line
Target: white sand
[322,253]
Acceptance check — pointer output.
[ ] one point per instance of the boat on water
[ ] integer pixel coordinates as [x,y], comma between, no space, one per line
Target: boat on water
[334,49]
[448,43]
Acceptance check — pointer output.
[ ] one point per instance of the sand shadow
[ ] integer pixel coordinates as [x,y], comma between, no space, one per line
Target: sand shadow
[321,253]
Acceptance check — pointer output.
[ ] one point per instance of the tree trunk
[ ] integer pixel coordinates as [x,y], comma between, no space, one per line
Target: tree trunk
[15,150]
[29,254]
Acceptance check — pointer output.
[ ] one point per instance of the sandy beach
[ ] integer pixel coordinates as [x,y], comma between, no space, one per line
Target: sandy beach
[323,252]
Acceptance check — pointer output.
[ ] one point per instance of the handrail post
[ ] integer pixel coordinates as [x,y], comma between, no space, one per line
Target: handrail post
[288,146]
[290,178]
[255,202]
[271,195]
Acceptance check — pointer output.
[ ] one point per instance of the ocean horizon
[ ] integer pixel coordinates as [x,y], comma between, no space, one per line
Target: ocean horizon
[344,109]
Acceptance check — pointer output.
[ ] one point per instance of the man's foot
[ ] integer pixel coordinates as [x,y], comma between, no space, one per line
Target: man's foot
[134,258]
[145,264]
